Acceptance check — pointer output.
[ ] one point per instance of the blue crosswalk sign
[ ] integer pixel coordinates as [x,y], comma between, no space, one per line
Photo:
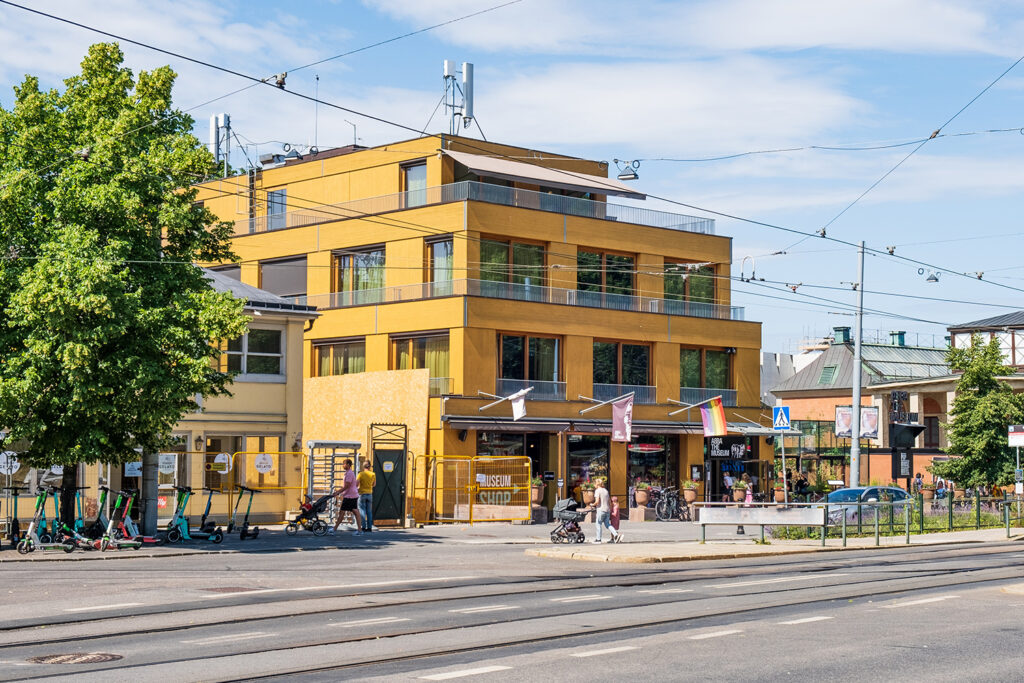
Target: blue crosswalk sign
[780,418]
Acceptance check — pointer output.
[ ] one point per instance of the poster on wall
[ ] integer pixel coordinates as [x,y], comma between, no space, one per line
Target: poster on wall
[868,422]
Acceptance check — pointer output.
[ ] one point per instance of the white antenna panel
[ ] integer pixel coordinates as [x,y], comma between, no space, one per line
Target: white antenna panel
[449,68]
[467,92]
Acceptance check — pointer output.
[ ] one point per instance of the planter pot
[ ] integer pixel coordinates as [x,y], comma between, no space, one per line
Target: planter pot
[780,495]
[738,495]
[643,496]
[928,494]
[689,495]
[536,494]
[959,493]
[588,497]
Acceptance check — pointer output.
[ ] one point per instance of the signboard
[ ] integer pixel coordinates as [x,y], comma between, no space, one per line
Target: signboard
[773,516]
[868,422]
[1018,488]
[167,463]
[549,476]
[1016,435]
[1018,475]
[899,402]
[57,469]
[560,483]
[902,464]
[216,467]
[133,469]
[780,419]
[9,462]
[388,466]
[734,447]
[222,463]
[263,463]
[161,502]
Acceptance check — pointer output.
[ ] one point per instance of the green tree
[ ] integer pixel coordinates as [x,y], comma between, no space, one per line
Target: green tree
[107,330]
[983,408]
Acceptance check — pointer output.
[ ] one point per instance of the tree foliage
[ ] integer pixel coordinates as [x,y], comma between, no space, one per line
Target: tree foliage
[982,410]
[106,328]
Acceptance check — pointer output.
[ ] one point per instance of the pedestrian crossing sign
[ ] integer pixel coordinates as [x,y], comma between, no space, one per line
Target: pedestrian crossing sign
[780,418]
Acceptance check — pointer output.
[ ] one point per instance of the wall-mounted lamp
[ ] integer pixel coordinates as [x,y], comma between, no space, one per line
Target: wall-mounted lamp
[199,441]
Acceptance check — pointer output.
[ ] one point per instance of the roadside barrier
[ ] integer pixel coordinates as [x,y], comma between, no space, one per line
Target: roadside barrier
[463,488]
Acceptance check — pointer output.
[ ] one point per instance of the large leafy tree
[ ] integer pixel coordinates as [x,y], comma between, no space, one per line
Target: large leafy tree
[106,328]
[983,408]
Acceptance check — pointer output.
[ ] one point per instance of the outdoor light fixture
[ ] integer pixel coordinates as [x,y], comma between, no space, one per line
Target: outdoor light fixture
[627,169]
[199,442]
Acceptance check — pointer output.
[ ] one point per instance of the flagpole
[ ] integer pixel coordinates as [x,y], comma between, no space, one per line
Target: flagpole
[689,406]
[603,403]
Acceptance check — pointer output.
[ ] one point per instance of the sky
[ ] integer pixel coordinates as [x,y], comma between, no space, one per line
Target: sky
[676,86]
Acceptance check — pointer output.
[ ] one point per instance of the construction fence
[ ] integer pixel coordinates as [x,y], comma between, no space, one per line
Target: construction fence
[468,489]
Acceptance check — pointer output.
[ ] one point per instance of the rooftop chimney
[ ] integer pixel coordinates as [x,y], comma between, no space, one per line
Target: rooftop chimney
[898,338]
[842,335]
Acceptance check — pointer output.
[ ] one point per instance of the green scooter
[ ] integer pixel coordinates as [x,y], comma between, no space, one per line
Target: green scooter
[178,529]
[32,540]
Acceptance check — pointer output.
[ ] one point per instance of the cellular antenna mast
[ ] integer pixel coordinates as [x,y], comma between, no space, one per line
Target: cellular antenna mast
[458,97]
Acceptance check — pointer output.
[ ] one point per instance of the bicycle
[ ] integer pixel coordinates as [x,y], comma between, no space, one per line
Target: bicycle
[669,506]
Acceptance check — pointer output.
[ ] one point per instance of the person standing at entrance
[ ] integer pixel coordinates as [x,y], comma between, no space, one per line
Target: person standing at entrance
[366,479]
[349,494]
[602,516]
[727,493]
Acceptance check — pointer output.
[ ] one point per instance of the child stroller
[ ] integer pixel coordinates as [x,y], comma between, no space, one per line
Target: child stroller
[568,529]
[309,518]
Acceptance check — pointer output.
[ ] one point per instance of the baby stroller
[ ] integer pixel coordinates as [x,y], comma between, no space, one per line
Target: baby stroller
[309,518]
[568,529]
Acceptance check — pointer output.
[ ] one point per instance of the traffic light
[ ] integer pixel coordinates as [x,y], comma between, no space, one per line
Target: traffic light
[903,435]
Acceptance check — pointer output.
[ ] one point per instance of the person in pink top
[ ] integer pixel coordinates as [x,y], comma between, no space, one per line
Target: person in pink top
[349,494]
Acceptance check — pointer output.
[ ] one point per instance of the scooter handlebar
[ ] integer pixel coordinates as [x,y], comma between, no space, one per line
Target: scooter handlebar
[246,488]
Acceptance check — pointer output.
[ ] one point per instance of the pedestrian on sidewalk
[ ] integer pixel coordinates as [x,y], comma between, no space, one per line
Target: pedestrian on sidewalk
[367,480]
[727,480]
[613,517]
[748,498]
[602,515]
[349,494]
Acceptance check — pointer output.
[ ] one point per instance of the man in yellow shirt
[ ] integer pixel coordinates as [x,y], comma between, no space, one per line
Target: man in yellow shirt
[366,480]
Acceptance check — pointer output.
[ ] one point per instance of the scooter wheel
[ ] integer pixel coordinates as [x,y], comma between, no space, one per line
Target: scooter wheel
[174,535]
[243,533]
[104,544]
[217,536]
[69,547]
[255,533]
[25,546]
[292,529]
[45,538]
[319,528]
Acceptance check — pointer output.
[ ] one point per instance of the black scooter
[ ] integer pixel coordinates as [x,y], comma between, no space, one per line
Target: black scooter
[15,529]
[245,532]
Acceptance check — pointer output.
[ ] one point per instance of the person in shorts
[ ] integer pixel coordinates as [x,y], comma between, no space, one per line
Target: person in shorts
[349,494]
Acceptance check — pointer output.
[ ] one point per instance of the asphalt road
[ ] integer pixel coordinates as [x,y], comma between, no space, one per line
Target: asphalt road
[441,611]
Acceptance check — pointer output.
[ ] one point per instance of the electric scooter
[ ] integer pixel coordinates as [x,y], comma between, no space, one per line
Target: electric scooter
[128,528]
[111,538]
[32,539]
[98,527]
[15,529]
[178,529]
[72,535]
[245,531]
[206,524]
[79,524]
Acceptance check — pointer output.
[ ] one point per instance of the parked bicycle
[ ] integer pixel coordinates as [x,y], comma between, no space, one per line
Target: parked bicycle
[670,507]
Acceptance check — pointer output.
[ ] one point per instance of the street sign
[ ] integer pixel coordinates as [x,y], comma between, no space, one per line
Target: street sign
[1016,435]
[780,419]
[9,462]
[902,463]
[1018,475]
[133,469]
[549,476]
[561,483]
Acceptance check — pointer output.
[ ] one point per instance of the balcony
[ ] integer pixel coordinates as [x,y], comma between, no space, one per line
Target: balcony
[480,192]
[542,391]
[690,395]
[641,393]
[439,386]
[515,292]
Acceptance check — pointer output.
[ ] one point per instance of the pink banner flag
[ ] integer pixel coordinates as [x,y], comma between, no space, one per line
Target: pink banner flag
[622,420]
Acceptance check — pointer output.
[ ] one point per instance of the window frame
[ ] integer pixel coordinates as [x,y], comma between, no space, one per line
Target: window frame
[702,351]
[337,271]
[319,344]
[397,339]
[526,337]
[618,359]
[276,217]
[604,254]
[510,265]
[245,376]
[407,201]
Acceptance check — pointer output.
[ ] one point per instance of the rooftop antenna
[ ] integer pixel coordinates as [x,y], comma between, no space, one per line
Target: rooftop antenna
[458,98]
[316,111]
[220,144]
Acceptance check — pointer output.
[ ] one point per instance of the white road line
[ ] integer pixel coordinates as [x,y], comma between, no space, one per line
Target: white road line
[714,634]
[369,622]
[609,651]
[372,584]
[99,607]
[805,620]
[659,591]
[216,640]
[464,672]
[581,598]
[485,608]
[781,579]
[922,601]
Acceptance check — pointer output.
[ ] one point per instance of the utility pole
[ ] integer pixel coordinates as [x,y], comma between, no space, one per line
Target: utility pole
[150,491]
[855,378]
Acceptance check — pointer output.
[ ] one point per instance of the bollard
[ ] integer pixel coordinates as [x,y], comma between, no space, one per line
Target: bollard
[762,534]
[1006,514]
[876,527]
[860,518]
[977,508]
[844,527]
[920,506]
[906,515]
[702,533]
[949,507]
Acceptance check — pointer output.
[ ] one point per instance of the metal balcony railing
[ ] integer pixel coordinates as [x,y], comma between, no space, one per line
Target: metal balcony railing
[693,395]
[542,391]
[517,292]
[641,393]
[481,192]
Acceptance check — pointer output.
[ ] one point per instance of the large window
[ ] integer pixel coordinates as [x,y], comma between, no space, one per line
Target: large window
[258,352]
[602,272]
[414,183]
[440,261]
[617,363]
[707,368]
[685,282]
[284,277]
[427,351]
[277,207]
[359,275]
[339,357]
[517,262]
[246,467]
[587,458]
[529,358]
[652,458]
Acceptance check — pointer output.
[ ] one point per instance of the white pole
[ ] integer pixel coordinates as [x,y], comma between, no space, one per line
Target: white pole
[785,486]
[855,377]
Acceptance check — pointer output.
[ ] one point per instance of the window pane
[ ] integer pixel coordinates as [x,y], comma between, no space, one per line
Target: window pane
[606,363]
[436,356]
[441,261]
[284,278]
[544,359]
[234,362]
[416,185]
[233,272]
[403,354]
[264,341]
[235,344]
[702,285]
[277,205]
[323,361]
[689,367]
[355,357]
[636,361]
[263,365]
[717,369]
[675,282]
[587,458]
[512,365]
[619,275]
[369,270]
[494,261]
[528,264]
[588,271]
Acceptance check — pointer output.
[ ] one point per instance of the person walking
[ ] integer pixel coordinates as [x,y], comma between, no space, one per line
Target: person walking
[727,480]
[602,516]
[349,494]
[366,480]
[748,498]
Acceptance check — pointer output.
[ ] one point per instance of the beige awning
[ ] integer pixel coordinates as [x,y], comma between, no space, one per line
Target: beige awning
[574,181]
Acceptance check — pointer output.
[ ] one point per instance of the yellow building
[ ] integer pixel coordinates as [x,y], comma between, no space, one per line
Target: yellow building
[446,268]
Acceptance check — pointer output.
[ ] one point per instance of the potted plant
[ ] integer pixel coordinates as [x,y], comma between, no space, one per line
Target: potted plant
[642,493]
[690,490]
[928,492]
[536,490]
[959,491]
[587,489]
[739,490]
[779,489]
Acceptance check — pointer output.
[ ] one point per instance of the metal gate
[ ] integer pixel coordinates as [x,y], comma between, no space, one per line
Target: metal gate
[325,474]
[475,488]
[389,445]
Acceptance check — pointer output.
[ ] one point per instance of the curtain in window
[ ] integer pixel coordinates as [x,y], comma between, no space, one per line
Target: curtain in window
[436,356]
[441,261]
[356,357]
[369,270]
[416,185]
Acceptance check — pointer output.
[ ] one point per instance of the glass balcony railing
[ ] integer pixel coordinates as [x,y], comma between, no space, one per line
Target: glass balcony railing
[691,395]
[641,393]
[517,292]
[439,386]
[481,192]
[542,391]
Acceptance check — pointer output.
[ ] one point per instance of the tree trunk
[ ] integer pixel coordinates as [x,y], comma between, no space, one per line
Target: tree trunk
[150,482]
[69,484]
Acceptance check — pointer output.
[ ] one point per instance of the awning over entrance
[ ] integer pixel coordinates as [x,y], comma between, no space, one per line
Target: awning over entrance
[548,177]
[757,430]
[541,424]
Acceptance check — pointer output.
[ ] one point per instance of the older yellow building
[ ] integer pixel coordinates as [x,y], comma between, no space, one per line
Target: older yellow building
[447,269]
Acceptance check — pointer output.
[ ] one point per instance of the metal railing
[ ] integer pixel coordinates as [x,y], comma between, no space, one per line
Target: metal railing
[518,292]
[481,192]
[542,391]
[439,386]
[692,395]
[641,393]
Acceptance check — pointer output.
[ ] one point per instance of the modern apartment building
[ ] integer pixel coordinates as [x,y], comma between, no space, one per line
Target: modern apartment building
[446,269]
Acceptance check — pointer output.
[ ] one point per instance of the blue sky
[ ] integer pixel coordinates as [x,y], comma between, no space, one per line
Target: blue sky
[651,80]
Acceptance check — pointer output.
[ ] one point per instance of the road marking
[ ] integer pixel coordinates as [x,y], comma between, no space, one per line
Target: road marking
[369,622]
[659,591]
[581,598]
[216,640]
[805,620]
[609,651]
[464,672]
[373,584]
[715,634]
[922,601]
[485,608]
[781,579]
[99,607]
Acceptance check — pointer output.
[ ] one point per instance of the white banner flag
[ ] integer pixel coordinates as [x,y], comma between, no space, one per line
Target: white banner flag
[622,420]
[518,401]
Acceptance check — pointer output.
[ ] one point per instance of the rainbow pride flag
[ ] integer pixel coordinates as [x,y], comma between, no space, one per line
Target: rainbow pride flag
[712,414]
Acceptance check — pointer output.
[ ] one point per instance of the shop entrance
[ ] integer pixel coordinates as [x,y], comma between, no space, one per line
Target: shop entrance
[535,445]
[734,455]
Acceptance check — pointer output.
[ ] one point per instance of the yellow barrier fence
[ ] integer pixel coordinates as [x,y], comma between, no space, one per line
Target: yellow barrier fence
[468,489]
